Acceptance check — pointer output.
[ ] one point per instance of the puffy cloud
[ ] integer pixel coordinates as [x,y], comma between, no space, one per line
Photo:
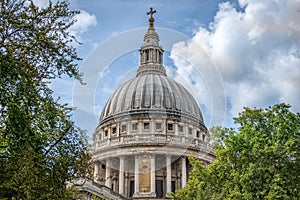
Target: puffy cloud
[256,48]
[41,3]
[84,21]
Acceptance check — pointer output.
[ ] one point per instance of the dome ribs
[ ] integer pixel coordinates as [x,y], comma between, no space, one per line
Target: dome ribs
[158,93]
[121,99]
[151,93]
[129,94]
[177,95]
[146,97]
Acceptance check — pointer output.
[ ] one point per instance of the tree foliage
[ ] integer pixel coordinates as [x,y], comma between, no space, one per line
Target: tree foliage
[259,160]
[40,146]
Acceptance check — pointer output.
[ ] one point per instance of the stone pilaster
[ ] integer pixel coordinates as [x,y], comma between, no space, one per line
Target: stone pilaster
[121,175]
[96,171]
[136,176]
[168,167]
[153,175]
[183,172]
[108,173]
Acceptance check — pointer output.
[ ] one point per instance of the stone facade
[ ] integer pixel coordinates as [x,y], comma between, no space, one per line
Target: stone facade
[147,129]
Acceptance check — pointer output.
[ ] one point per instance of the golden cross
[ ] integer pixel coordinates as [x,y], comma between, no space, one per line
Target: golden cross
[151,12]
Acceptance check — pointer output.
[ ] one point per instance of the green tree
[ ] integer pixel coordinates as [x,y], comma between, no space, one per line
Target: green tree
[259,160]
[40,146]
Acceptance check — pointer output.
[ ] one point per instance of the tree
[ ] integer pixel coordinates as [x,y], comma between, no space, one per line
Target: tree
[40,146]
[260,160]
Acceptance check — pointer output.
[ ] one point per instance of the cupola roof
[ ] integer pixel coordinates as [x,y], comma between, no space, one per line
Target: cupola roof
[151,92]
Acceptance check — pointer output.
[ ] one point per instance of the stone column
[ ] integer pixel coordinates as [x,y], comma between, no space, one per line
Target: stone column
[121,175]
[168,166]
[96,171]
[153,175]
[107,173]
[126,184]
[136,176]
[115,182]
[178,179]
[183,172]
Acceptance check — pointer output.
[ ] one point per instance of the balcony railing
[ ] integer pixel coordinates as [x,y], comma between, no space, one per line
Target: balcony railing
[180,141]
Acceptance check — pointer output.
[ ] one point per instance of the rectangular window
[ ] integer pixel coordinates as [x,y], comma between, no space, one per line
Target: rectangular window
[170,127]
[158,126]
[147,55]
[180,128]
[173,186]
[131,189]
[146,125]
[106,133]
[123,128]
[190,131]
[198,134]
[134,127]
[159,188]
[114,130]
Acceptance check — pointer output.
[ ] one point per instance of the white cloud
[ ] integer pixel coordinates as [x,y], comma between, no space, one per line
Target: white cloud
[41,3]
[257,52]
[205,82]
[84,21]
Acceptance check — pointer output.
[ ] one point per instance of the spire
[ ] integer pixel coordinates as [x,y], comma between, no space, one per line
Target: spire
[151,52]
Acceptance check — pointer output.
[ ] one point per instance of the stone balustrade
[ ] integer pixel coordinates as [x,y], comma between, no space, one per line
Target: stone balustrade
[153,139]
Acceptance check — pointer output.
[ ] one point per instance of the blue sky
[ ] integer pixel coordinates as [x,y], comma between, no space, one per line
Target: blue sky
[229,54]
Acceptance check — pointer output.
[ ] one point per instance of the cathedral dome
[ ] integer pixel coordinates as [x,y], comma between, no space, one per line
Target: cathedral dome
[154,94]
[148,128]
[151,93]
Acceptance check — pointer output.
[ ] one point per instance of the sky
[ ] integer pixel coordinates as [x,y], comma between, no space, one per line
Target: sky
[228,54]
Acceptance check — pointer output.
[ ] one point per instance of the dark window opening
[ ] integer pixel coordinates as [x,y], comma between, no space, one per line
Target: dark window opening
[159,188]
[190,131]
[131,192]
[106,133]
[173,186]
[146,125]
[114,130]
[134,127]
[170,127]
[147,55]
[198,134]
[123,129]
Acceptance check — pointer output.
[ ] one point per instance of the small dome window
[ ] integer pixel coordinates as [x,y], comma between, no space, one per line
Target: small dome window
[146,125]
[170,126]
[134,127]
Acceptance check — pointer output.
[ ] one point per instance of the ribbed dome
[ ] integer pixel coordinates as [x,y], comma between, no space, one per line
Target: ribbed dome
[152,92]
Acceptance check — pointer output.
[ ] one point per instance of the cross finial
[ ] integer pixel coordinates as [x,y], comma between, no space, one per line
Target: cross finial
[151,12]
[151,19]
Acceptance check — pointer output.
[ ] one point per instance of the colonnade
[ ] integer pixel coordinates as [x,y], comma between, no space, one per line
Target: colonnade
[152,162]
